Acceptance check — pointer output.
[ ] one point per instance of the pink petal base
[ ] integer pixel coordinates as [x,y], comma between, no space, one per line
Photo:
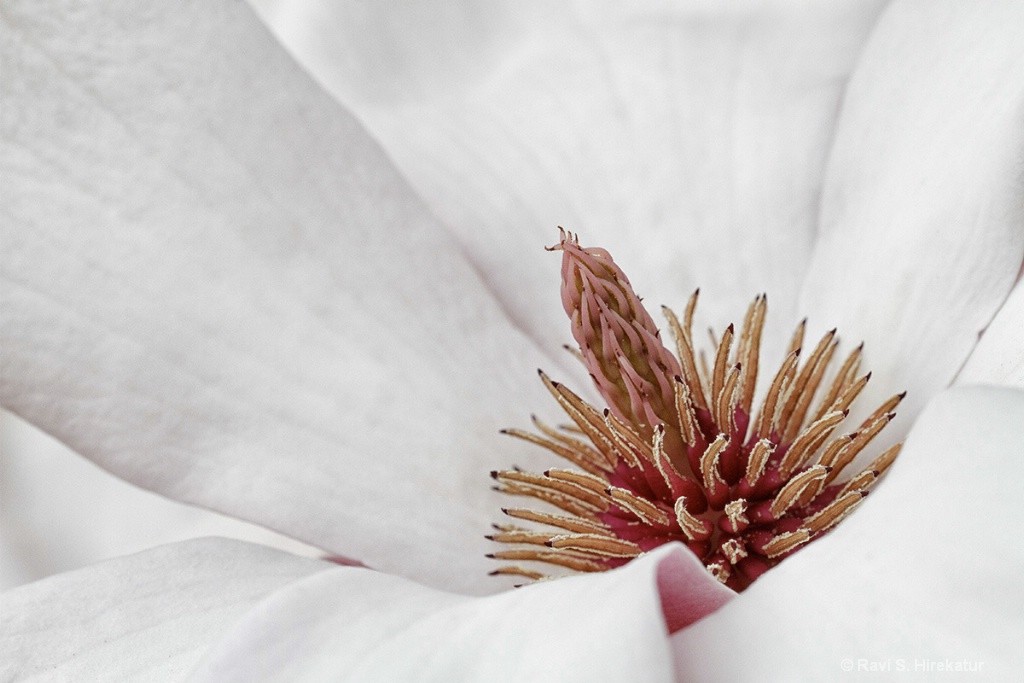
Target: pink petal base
[688,592]
[343,561]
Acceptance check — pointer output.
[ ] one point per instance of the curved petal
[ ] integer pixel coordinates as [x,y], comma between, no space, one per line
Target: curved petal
[688,591]
[146,617]
[922,216]
[688,138]
[358,625]
[59,512]
[926,572]
[217,287]
[999,356]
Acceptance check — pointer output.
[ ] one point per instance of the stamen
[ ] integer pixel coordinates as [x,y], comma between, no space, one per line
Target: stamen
[562,558]
[750,348]
[516,570]
[646,511]
[850,393]
[862,482]
[796,342]
[564,502]
[841,381]
[675,454]
[806,382]
[630,446]
[509,534]
[785,542]
[566,488]
[767,420]
[884,461]
[795,486]
[884,409]
[720,571]
[575,524]
[684,348]
[759,456]
[688,427]
[721,361]
[588,481]
[735,517]
[596,544]
[728,398]
[694,528]
[579,456]
[834,512]
[709,463]
[860,441]
[734,550]
[808,442]
[582,414]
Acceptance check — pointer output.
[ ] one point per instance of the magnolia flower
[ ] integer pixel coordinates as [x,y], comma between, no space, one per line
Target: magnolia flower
[218,286]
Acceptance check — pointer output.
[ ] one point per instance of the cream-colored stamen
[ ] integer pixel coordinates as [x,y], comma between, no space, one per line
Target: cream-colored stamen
[794,487]
[681,453]
[645,510]
[694,528]
[595,544]
[785,542]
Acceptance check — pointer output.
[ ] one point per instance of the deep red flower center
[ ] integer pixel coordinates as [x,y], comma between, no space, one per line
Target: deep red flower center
[680,453]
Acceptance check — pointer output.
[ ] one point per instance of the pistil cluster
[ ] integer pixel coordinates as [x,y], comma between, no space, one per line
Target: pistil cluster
[680,453]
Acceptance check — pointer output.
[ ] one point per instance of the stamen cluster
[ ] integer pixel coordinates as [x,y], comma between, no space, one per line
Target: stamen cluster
[680,454]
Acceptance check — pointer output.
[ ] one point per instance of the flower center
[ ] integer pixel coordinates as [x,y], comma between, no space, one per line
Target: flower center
[681,453]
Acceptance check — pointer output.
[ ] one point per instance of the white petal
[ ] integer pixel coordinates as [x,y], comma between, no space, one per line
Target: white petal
[922,218]
[999,356]
[926,570]
[59,512]
[216,286]
[358,625]
[687,138]
[146,617]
